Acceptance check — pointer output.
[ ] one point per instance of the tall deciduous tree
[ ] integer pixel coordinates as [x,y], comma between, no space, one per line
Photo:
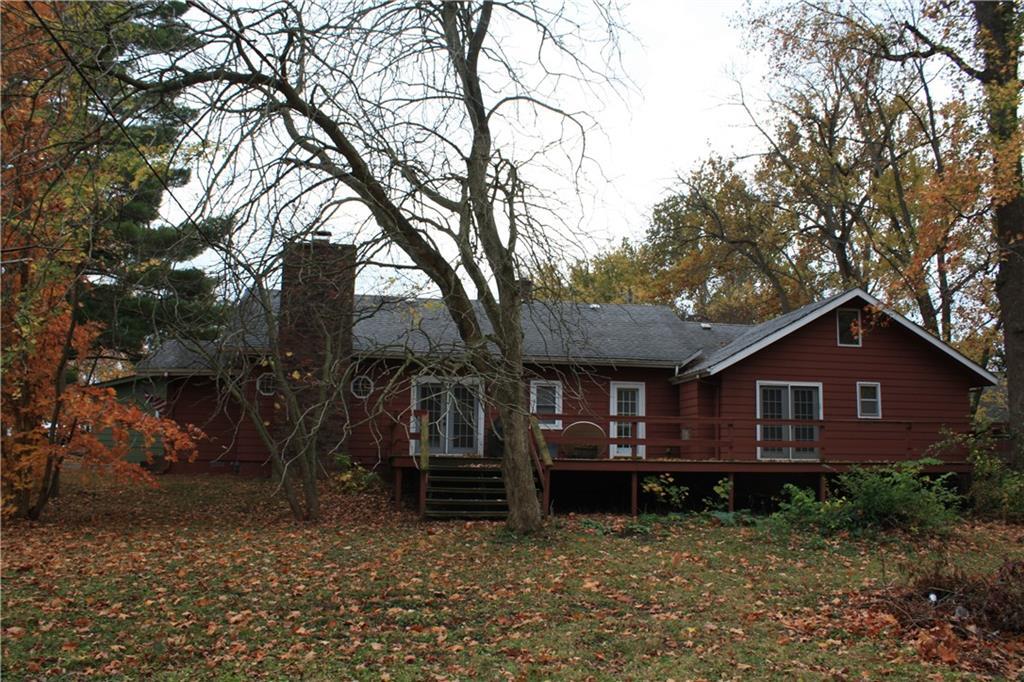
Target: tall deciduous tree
[986,53]
[872,175]
[424,116]
[48,178]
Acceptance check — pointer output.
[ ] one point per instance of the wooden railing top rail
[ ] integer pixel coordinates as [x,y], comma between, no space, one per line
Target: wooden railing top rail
[602,419]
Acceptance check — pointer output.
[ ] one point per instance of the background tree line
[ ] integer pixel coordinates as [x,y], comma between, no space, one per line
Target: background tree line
[891,160]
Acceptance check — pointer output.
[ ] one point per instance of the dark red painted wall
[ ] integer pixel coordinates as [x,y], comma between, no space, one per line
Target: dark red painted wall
[232,443]
[918,382]
[375,438]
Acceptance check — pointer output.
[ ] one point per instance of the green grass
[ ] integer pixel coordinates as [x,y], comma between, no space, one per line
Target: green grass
[206,577]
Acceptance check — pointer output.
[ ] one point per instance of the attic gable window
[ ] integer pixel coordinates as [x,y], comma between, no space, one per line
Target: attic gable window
[848,329]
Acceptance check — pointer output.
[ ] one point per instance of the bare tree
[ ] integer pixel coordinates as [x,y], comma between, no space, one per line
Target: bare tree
[443,121]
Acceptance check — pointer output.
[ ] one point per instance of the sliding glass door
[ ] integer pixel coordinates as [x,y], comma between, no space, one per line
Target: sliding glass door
[455,415]
[788,402]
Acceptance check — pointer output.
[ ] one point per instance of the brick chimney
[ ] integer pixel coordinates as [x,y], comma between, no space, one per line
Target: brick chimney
[315,321]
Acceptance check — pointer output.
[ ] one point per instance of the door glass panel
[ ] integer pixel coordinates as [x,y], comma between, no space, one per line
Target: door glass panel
[773,406]
[805,406]
[432,399]
[463,417]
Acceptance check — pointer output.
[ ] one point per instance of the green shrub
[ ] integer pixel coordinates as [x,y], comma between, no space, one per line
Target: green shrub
[898,496]
[665,490]
[719,498]
[997,489]
[799,509]
[354,478]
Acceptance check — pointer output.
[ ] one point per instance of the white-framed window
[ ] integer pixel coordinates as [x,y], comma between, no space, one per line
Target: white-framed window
[627,399]
[848,328]
[869,400]
[362,387]
[455,414]
[789,401]
[546,398]
[265,383]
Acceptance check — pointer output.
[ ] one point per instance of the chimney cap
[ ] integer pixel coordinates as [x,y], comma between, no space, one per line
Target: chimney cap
[321,236]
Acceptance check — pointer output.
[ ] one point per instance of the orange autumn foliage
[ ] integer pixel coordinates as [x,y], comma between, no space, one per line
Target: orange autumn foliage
[47,416]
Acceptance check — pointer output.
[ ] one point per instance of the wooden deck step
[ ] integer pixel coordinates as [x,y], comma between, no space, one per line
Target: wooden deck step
[434,503]
[467,480]
[465,489]
[466,514]
[488,490]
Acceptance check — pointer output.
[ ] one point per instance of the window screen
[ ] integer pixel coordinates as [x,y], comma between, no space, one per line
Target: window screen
[869,400]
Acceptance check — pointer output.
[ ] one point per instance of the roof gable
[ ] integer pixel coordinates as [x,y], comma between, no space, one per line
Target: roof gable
[761,336]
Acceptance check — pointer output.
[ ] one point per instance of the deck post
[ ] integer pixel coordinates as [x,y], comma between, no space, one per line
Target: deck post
[547,492]
[424,440]
[634,497]
[423,493]
[397,473]
[732,492]
[822,488]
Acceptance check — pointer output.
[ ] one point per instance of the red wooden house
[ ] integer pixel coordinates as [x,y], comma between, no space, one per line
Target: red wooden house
[623,391]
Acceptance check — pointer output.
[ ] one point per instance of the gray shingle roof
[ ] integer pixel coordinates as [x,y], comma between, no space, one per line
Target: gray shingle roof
[618,334]
[553,332]
[649,335]
[175,355]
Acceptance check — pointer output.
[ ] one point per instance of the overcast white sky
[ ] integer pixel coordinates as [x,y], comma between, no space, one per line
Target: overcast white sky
[683,61]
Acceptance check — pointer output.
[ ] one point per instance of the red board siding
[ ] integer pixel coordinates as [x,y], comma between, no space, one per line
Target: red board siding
[918,382]
[584,393]
[232,442]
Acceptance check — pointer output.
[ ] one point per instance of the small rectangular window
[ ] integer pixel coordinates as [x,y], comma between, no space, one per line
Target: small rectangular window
[848,327]
[546,398]
[869,400]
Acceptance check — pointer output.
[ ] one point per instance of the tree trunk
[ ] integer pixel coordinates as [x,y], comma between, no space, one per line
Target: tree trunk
[524,515]
[280,473]
[1000,43]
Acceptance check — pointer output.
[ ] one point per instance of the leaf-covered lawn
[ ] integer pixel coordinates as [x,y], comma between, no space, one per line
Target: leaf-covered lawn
[205,577]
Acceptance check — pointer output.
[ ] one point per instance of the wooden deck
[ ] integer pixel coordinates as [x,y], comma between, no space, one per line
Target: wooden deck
[726,447]
[635,468]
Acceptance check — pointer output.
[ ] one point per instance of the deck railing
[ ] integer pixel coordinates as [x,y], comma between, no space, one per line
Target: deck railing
[673,437]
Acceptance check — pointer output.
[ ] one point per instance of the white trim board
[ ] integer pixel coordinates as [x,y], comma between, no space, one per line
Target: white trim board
[838,302]
[613,409]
